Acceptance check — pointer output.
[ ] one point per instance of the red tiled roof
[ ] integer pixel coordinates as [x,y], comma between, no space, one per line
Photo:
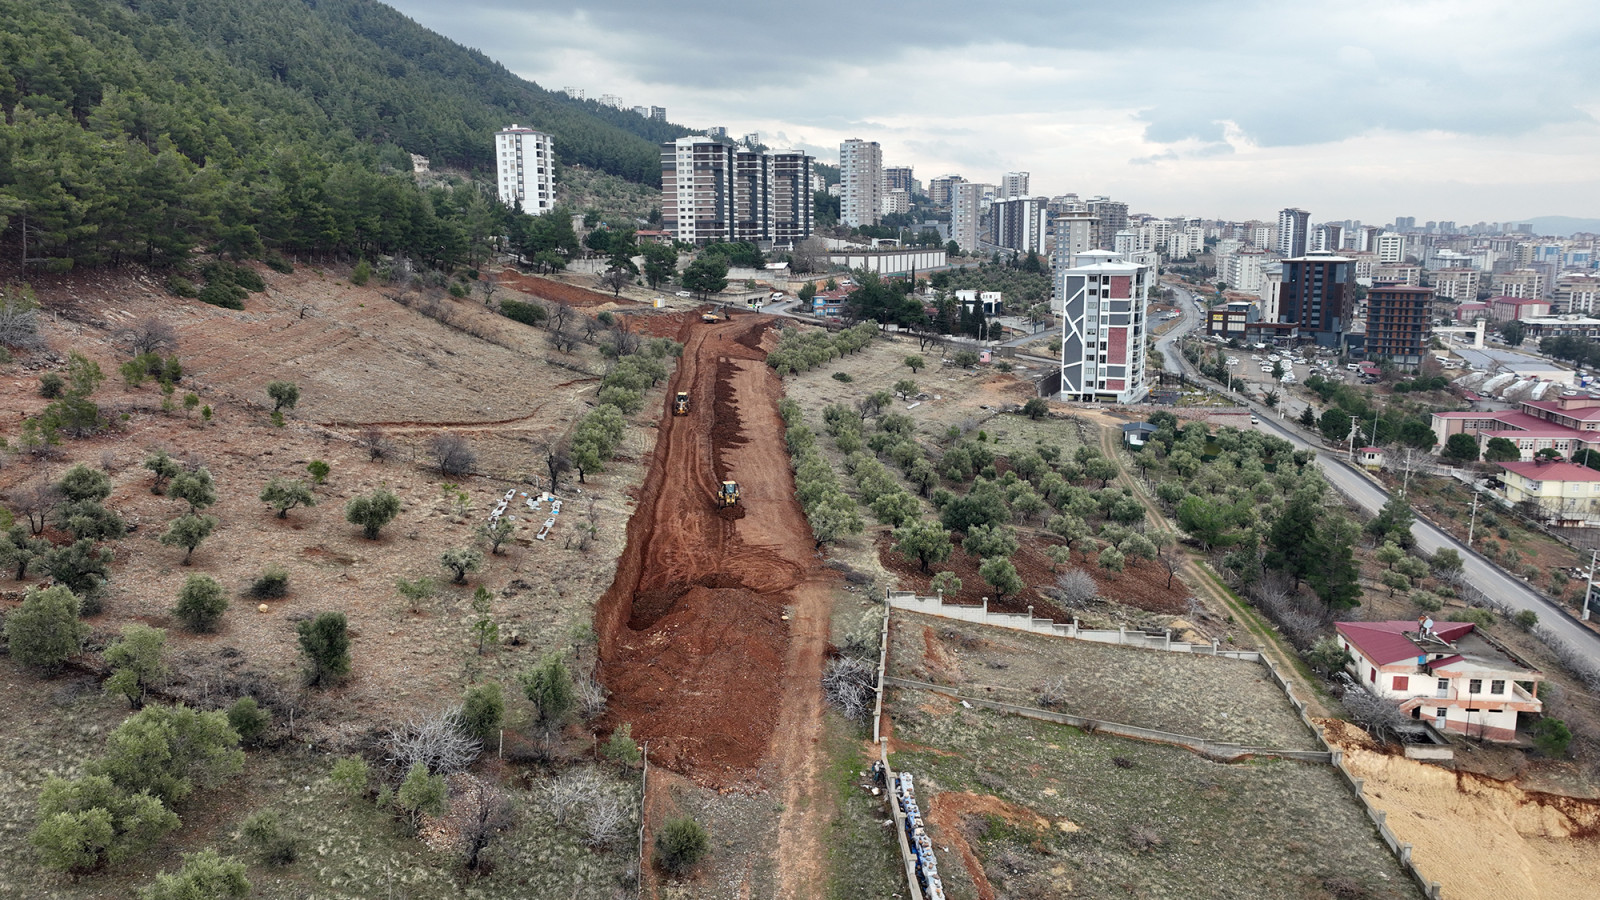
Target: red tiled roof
[1385,642]
[1552,471]
[1582,413]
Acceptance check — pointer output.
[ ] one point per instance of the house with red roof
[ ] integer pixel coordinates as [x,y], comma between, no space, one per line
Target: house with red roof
[1449,673]
[1564,494]
[1566,424]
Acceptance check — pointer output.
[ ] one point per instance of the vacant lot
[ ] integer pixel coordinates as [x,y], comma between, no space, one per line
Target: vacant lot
[1203,696]
[1028,809]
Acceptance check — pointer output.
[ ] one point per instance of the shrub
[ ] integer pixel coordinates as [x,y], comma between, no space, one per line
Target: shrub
[188,531]
[462,560]
[372,512]
[319,471]
[51,385]
[201,603]
[272,583]
[421,794]
[483,710]
[1076,587]
[247,718]
[526,313]
[1551,736]
[325,642]
[549,687]
[83,483]
[1525,619]
[81,568]
[170,751]
[284,494]
[452,454]
[44,631]
[91,820]
[621,747]
[204,874]
[195,488]
[680,844]
[136,662]
[351,774]
[843,377]
[362,273]
[264,832]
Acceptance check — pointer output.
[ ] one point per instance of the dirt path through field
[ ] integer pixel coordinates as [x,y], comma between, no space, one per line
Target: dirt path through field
[1197,575]
[713,635]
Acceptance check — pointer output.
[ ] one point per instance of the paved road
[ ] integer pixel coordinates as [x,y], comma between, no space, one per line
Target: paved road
[1371,497]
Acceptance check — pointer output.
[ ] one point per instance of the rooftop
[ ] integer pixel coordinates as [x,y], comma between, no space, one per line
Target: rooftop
[1582,413]
[1395,640]
[1552,471]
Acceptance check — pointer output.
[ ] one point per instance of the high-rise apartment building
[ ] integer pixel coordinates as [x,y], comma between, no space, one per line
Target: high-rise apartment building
[1318,295]
[1577,292]
[712,191]
[1013,184]
[1075,235]
[658,113]
[1293,225]
[525,169]
[1391,247]
[941,190]
[1020,223]
[697,178]
[1524,284]
[1104,302]
[860,183]
[898,178]
[966,213]
[1398,320]
[1113,216]
[1330,237]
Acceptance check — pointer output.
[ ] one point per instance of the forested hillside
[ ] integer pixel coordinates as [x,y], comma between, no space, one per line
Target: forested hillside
[138,130]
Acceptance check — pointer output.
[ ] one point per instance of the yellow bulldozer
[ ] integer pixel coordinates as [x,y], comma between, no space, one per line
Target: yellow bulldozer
[728,496]
[680,404]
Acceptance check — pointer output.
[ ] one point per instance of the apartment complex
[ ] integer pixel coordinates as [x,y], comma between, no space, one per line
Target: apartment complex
[712,191]
[1293,225]
[1398,320]
[899,178]
[1113,217]
[1075,234]
[1104,302]
[525,169]
[860,183]
[1458,284]
[941,190]
[1318,295]
[1020,223]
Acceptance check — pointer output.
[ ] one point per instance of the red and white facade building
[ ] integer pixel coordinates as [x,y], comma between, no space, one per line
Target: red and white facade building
[1105,303]
[1567,424]
[1451,675]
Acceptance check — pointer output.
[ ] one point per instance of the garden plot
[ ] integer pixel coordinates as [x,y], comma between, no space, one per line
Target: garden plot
[1028,809]
[1209,697]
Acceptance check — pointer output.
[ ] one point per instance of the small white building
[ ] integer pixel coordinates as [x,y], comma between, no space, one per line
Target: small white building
[1445,672]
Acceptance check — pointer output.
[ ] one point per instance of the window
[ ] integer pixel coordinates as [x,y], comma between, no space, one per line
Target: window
[1497,686]
[1475,686]
[1441,712]
[1402,682]
[1444,686]
[1372,675]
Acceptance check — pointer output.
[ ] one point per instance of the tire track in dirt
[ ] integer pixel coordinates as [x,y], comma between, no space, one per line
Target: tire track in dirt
[714,632]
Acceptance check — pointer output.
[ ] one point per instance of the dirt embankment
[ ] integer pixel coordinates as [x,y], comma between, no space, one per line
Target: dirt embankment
[714,628]
[1481,838]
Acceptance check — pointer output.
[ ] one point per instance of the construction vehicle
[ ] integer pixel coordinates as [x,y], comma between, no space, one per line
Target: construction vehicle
[708,318]
[729,495]
[680,405]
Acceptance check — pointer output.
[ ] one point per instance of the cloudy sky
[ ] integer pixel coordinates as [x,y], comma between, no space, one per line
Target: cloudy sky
[1464,110]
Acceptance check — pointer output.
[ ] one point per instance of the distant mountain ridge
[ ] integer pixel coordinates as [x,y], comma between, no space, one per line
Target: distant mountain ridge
[1561,226]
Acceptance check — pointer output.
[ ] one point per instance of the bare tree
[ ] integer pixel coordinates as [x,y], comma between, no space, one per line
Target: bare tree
[623,342]
[1407,462]
[1054,693]
[452,454]
[592,327]
[488,286]
[1381,718]
[36,500]
[488,814]
[616,279]
[568,795]
[435,740]
[557,460]
[607,822]
[591,698]
[849,685]
[378,444]
[1077,588]
[150,335]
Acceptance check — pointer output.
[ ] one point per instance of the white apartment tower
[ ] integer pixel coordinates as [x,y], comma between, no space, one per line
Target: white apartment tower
[1020,223]
[1104,302]
[1075,235]
[711,191]
[1013,184]
[525,169]
[1391,247]
[1294,226]
[860,183]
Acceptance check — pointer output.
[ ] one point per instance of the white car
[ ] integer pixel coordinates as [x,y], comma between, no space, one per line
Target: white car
[1255,357]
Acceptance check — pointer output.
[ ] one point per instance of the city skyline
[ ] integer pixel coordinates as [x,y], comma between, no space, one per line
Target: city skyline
[1451,112]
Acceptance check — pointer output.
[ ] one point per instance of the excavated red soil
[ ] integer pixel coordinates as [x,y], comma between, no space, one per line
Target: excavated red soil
[694,644]
[558,291]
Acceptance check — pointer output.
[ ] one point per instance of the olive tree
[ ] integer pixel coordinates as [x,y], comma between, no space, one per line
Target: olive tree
[372,512]
[44,631]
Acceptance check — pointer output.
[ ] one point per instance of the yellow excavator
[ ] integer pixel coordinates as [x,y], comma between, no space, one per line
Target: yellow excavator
[728,496]
[680,405]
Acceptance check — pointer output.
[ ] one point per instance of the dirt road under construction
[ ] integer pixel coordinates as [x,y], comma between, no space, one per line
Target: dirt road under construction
[713,636]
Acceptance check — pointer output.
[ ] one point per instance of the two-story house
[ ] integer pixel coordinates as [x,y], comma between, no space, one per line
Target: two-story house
[1448,672]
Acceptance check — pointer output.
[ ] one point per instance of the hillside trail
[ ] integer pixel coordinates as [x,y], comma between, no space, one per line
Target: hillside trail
[1197,574]
[714,632]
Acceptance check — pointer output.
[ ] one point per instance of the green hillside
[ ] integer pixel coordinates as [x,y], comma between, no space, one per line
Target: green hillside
[138,130]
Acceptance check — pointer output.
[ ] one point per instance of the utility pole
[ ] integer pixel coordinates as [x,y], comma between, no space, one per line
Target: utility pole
[1355,429]
[1472,524]
[1593,554]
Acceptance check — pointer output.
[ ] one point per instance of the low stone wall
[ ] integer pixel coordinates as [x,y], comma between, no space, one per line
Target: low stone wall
[935,606]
